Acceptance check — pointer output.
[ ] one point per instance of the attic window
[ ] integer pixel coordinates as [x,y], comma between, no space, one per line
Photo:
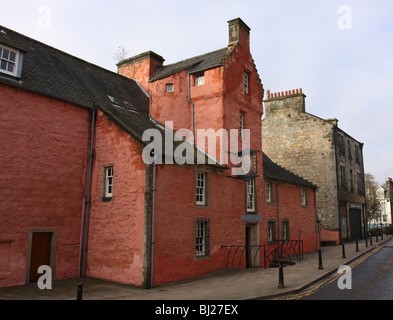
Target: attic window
[9,59]
[114,101]
[129,106]
[199,79]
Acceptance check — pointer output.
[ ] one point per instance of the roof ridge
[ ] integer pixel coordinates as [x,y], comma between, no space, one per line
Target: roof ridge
[302,180]
[195,57]
[202,59]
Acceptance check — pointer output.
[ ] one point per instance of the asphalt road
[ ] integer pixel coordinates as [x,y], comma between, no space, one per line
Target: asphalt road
[370,278]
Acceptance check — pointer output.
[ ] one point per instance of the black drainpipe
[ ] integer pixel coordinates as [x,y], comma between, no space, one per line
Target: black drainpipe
[192,108]
[91,156]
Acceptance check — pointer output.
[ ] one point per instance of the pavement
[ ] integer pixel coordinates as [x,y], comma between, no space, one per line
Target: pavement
[245,284]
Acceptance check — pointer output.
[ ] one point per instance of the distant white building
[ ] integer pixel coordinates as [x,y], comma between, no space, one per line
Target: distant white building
[385,215]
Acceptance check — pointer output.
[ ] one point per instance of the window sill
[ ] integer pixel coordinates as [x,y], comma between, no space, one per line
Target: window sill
[106,199]
[200,258]
[202,206]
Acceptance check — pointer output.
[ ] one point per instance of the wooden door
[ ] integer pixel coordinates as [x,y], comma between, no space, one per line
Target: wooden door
[40,253]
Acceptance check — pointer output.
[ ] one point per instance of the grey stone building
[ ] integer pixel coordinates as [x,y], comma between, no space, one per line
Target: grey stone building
[319,151]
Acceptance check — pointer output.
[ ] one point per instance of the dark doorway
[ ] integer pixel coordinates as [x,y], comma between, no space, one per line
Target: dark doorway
[252,249]
[248,249]
[40,253]
[355,222]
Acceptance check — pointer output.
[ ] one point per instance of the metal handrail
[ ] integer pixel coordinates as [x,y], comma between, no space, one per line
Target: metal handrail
[243,249]
[286,249]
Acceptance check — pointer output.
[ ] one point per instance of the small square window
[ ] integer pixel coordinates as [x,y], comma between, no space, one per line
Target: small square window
[169,87]
[200,79]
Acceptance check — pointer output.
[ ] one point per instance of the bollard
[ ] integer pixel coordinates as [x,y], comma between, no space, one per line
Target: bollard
[381,233]
[343,247]
[376,237]
[366,242]
[357,246]
[320,260]
[79,291]
[371,240]
[280,275]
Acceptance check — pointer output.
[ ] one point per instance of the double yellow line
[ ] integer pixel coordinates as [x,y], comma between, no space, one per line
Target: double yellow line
[332,278]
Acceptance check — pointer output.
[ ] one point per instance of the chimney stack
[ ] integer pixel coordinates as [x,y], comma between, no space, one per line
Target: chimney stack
[239,32]
[141,67]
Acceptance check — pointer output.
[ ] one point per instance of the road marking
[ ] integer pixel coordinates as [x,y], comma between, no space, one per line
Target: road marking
[332,278]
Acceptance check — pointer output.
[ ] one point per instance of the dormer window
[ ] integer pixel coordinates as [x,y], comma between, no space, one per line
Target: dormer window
[9,59]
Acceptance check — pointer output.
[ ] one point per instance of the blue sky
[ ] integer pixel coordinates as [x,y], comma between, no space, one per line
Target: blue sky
[345,66]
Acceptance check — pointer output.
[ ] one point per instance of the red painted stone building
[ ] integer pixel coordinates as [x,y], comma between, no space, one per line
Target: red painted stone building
[75,136]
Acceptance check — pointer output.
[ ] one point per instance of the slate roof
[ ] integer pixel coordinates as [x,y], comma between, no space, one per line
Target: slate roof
[54,73]
[274,171]
[196,64]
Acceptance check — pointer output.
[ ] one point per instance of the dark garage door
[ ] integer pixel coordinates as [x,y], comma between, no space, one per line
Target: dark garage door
[355,221]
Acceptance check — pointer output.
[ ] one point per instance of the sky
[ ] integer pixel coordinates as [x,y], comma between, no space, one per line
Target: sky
[339,52]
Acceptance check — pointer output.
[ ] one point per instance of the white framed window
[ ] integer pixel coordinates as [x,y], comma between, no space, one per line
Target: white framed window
[200,189]
[200,79]
[9,59]
[304,197]
[246,88]
[271,231]
[250,195]
[285,230]
[108,182]
[269,192]
[241,125]
[202,238]
[169,87]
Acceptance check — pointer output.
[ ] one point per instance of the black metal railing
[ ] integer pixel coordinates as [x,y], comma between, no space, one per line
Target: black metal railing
[235,255]
[286,250]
